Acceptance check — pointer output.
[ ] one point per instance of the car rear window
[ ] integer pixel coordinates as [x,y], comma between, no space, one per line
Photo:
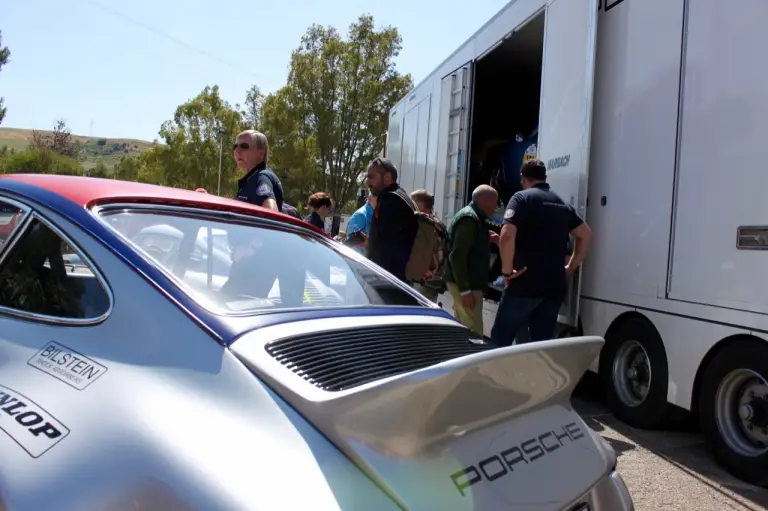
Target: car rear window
[231,267]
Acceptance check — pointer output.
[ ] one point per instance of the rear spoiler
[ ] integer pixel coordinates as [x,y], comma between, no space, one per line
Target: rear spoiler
[416,412]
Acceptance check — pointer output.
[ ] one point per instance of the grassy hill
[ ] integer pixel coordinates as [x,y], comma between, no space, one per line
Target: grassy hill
[108,150]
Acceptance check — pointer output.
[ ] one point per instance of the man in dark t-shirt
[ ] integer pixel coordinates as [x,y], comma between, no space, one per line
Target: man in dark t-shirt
[533,245]
[260,185]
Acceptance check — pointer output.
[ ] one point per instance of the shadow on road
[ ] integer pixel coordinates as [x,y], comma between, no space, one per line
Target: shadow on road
[680,444]
[618,445]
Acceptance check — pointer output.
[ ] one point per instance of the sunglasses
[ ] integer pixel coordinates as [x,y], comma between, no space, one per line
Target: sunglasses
[241,145]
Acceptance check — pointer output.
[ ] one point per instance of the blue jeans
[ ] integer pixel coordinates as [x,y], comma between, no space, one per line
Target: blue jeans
[521,319]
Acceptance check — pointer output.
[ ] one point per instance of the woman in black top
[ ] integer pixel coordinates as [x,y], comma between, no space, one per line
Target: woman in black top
[321,205]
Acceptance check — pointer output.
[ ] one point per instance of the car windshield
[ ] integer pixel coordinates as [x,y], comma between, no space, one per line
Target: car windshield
[253,267]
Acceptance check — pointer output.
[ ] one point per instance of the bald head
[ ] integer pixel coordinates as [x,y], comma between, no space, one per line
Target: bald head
[485,198]
[251,149]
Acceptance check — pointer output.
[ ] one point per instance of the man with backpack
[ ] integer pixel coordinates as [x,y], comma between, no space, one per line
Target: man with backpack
[432,284]
[402,239]
[466,272]
[393,226]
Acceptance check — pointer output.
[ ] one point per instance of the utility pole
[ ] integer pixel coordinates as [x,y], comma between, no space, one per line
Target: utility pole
[222,132]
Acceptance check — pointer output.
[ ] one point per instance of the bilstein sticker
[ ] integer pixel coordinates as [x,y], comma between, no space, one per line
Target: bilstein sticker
[34,429]
[67,365]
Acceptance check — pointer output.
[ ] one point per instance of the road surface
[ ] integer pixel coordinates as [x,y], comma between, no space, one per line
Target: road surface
[667,470]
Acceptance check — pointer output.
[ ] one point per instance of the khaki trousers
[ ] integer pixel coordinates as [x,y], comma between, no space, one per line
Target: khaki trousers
[470,318]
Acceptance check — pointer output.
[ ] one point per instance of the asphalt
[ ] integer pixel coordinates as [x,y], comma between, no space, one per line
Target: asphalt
[667,470]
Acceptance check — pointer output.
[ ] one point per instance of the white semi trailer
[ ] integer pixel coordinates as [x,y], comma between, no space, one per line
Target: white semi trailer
[652,118]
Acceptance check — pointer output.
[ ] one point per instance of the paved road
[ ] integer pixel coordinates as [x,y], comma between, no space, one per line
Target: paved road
[668,470]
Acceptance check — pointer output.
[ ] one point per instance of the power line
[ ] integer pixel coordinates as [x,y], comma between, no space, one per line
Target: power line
[165,35]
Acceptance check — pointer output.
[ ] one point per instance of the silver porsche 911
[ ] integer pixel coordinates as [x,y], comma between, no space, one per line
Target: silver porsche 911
[171,350]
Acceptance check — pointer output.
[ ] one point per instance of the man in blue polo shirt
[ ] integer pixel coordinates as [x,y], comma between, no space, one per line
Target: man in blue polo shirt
[534,245]
[260,185]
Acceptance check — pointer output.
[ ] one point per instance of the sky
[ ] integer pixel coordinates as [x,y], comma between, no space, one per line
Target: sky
[118,69]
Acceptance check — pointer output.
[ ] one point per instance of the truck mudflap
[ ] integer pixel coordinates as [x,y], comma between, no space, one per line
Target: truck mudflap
[492,430]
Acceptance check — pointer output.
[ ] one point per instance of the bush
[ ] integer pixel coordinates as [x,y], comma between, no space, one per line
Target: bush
[100,170]
[101,142]
[40,161]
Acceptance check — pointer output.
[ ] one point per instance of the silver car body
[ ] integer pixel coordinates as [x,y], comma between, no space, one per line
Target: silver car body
[171,411]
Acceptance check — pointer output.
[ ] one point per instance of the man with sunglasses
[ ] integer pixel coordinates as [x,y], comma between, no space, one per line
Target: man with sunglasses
[260,185]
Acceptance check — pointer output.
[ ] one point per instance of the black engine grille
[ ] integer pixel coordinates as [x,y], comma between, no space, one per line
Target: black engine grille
[343,359]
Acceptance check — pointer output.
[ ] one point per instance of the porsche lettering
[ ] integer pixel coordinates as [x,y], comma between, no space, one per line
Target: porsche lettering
[28,424]
[504,462]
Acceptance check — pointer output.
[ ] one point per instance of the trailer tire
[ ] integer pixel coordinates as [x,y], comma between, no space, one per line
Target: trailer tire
[634,374]
[733,409]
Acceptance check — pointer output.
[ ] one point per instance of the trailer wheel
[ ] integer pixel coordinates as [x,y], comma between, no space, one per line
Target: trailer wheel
[634,374]
[733,410]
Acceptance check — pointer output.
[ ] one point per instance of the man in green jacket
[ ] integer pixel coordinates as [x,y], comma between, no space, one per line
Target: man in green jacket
[466,272]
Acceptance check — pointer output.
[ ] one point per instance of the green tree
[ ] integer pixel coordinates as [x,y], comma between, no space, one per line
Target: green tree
[128,168]
[60,141]
[190,156]
[291,155]
[334,108]
[254,101]
[5,56]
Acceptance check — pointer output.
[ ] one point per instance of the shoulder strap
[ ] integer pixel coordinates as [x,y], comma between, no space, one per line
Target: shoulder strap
[405,199]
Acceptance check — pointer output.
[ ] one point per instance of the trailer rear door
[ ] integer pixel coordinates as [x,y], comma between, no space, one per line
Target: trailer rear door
[565,120]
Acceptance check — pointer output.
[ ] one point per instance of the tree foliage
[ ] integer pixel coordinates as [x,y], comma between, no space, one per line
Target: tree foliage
[291,155]
[5,56]
[59,141]
[100,170]
[40,161]
[128,168]
[254,100]
[333,112]
[189,157]
[324,126]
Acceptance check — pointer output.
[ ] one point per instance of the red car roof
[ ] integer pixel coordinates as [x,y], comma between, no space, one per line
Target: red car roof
[90,191]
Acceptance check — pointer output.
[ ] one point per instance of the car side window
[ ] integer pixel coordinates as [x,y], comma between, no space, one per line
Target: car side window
[42,274]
